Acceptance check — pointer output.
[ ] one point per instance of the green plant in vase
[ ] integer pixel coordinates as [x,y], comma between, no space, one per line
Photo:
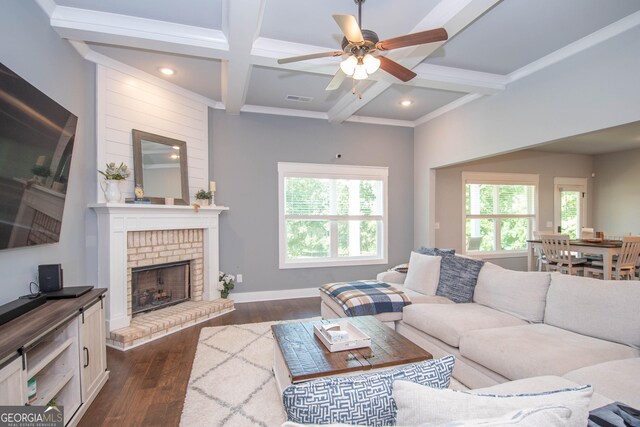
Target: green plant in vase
[40,173]
[204,197]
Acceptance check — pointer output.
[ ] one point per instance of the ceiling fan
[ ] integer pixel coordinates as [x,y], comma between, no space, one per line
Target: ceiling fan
[358,46]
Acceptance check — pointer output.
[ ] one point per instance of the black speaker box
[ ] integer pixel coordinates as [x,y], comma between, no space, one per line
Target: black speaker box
[50,277]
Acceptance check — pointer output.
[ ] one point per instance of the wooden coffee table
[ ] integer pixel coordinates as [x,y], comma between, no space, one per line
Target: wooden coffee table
[299,356]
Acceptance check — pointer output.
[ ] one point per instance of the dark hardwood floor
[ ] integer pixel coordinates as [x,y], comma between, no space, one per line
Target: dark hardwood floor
[147,384]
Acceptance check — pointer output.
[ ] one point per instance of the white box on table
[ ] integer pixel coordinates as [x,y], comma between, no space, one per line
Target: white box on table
[356,339]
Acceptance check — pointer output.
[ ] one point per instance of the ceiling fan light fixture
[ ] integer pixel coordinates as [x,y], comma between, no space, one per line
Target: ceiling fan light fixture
[371,63]
[361,72]
[348,66]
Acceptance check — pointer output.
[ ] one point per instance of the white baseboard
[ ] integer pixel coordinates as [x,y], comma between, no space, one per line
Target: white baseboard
[240,297]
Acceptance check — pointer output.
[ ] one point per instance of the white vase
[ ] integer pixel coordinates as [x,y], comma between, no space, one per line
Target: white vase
[112,190]
[203,202]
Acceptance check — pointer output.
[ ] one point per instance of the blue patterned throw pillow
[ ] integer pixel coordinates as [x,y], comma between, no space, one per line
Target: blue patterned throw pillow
[365,399]
[435,251]
[458,278]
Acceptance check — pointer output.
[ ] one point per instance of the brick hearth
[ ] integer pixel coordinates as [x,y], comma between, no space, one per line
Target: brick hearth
[156,324]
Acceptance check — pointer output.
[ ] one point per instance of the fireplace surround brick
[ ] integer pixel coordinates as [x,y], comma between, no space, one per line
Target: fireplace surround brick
[145,248]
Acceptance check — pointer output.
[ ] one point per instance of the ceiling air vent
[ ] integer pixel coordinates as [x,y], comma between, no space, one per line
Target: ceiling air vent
[298,98]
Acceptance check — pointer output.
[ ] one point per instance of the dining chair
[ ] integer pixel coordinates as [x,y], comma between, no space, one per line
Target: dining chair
[541,259]
[625,266]
[557,250]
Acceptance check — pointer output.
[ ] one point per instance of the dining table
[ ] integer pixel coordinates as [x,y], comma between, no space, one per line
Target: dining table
[607,248]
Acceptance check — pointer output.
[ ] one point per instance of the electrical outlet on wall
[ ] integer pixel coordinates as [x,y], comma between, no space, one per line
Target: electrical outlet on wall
[239,278]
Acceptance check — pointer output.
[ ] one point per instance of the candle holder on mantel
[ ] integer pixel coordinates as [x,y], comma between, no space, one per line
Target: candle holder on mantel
[212,190]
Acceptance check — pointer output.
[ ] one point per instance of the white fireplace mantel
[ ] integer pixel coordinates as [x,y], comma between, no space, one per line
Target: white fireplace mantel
[115,220]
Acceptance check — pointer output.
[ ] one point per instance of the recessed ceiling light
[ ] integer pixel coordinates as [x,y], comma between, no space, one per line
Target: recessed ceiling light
[167,71]
[406,103]
[175,147]
[175,156]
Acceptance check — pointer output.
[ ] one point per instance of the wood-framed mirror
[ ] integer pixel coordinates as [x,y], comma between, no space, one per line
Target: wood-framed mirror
[160,167]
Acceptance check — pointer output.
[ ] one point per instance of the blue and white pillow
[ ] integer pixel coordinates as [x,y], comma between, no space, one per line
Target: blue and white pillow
[435,251]
[365,399]
[458,278]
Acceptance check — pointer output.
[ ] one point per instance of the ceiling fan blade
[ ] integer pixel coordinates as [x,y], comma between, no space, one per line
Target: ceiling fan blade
[395,69]
[429,36]
[349,27]
[336,81]
[310,56]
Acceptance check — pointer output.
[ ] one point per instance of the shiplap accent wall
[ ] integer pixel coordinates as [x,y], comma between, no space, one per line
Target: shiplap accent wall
[125,101]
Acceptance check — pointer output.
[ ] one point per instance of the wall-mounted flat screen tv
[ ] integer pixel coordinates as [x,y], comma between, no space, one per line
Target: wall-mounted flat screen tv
[36,143]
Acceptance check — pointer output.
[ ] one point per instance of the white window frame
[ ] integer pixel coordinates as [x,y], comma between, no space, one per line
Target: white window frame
[314,170]
[498,179]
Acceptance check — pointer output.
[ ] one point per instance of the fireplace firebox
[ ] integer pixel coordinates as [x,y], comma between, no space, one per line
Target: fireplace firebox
[161,285]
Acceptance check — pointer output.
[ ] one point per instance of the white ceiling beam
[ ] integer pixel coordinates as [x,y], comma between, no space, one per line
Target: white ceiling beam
[130,31]
[242,22]
[453,15]
[457,79]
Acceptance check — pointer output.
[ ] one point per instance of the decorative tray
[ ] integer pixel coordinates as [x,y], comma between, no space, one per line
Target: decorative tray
[354,338]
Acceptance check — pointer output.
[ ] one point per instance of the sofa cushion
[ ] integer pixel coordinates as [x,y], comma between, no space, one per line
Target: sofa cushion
[532,350]
[540,385]
[448,322]
[519,293]
[360,399]
[423,274]
[606,309]
[458,278]
[419,404]
[618,379]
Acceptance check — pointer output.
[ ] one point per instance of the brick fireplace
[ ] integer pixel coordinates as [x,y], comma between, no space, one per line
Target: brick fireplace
[156,248]
[132,236]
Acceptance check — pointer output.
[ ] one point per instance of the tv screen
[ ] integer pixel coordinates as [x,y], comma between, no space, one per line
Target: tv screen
[36,144]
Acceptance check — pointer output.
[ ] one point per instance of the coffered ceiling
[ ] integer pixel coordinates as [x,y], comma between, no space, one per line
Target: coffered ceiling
[226,50]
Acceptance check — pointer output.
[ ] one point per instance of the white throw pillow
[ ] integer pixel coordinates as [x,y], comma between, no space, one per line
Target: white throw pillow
[520,293]
[423,274]
[418,404]
[547,416]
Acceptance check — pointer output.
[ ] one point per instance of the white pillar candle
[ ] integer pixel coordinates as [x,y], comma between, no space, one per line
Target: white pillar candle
[212,186]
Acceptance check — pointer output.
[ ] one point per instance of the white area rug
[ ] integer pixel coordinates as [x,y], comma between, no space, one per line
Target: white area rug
[232,382]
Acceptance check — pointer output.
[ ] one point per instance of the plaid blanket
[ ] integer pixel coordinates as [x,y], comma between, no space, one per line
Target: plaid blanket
[366,297]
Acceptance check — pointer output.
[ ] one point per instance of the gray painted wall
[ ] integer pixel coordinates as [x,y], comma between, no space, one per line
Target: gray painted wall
[244,152]
[594,89]
[33,50]
[546,165]
[617,201]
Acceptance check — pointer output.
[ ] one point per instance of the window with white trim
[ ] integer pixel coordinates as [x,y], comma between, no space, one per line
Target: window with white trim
[500,212]
[332,215]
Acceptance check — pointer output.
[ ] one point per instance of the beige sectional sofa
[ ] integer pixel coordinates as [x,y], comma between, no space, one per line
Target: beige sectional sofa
[531,331]
[528,324]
